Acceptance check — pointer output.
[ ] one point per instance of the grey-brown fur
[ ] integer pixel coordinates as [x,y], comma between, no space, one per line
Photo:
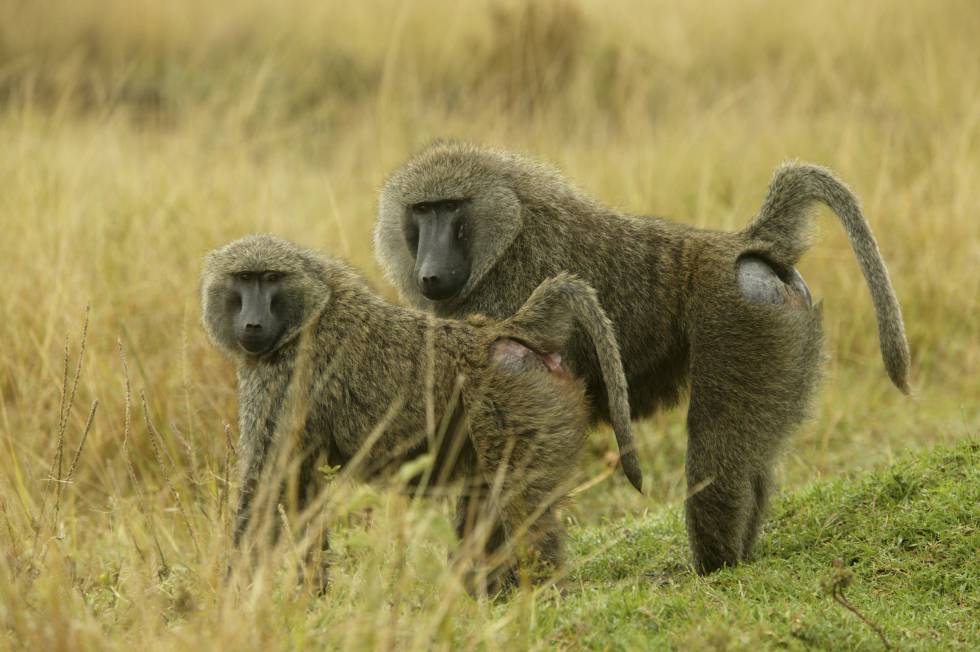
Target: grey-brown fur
[358,362]
[725,314]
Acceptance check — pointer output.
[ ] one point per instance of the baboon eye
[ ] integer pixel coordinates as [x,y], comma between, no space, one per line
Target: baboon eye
[452,206]
[422,209]
[245,276]
[273,277]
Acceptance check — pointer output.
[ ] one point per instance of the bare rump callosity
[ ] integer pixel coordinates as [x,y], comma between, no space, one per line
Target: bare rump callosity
[725,315]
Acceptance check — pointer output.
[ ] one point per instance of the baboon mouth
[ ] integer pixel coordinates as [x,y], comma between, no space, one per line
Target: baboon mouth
[440,296]
[255,346]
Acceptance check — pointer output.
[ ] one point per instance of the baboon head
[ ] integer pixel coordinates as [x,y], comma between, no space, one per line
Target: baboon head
[258,292]
[444,219]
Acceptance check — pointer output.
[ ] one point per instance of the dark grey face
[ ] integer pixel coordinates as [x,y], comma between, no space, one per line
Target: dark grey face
[257,308]
[436,233]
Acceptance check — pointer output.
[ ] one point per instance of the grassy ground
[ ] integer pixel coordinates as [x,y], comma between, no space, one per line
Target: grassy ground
[901,543]
[138,135]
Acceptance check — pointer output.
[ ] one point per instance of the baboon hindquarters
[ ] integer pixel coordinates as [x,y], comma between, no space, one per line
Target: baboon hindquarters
[525,463]
[754,368]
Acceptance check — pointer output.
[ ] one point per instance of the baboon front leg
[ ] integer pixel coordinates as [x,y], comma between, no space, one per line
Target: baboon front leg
[258,520]
[243,512]
[249,494]
[263,489]
[315,569]
[253,468]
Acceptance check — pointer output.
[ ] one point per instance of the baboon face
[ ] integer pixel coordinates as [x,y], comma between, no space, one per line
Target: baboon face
[255,307]
[257,292]
[436,234]
[445,218]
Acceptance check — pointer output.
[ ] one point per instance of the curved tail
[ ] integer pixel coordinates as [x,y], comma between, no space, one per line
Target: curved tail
[784,221]
[546,321]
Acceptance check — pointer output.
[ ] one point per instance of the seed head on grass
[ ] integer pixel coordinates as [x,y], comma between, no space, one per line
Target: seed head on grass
[840,579]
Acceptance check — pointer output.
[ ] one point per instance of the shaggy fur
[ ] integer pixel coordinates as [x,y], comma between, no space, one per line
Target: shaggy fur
[723,314]
[489,400]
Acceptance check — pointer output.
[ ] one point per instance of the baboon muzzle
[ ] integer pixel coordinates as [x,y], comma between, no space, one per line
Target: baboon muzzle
[441,266]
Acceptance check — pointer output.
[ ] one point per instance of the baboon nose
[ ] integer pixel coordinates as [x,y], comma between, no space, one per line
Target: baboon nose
[438,285]
[253,328]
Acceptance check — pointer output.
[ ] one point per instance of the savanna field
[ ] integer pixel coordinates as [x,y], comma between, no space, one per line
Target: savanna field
[137,135]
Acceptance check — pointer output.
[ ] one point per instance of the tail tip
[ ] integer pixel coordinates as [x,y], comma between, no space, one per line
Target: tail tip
[902,383]
[897,367]
[631,467]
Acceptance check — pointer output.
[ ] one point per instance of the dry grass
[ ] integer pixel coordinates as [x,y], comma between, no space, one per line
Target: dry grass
[138,135]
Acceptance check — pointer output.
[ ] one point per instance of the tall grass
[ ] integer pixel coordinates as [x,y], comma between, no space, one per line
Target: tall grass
[138,135]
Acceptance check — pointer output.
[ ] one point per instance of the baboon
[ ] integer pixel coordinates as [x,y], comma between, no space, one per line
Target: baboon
[462,230]
[363,379]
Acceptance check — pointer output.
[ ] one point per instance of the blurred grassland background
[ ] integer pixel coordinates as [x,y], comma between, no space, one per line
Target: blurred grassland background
[136,135]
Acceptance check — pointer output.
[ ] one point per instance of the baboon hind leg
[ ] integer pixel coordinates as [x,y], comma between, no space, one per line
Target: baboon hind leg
[733,439]
[718,508]
[501,543]
[540,548]
[482,539]
[761,483]
[509,525]
[754,367]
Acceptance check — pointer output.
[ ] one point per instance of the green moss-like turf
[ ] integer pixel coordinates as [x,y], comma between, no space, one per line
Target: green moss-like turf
[908,535]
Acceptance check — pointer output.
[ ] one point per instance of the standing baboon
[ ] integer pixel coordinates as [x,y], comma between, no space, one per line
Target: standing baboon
[466,230]
[323,363]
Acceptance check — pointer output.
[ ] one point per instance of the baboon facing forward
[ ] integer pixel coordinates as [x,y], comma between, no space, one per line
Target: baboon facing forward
[465,230]
[491,401]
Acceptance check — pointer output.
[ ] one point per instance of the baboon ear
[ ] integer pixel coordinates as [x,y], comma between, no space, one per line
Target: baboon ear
[495,218]
[217,323]
[391,249]
[309,293]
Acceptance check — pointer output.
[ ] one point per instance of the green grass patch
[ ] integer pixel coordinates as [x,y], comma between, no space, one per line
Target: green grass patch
[908,537]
